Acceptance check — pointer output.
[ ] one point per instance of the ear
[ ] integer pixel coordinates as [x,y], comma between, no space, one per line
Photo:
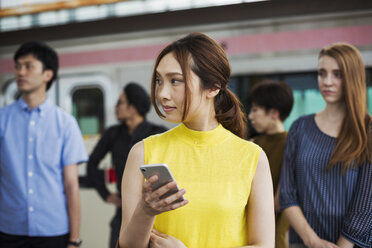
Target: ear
[274,113]
[132,109]
[48,74]
[213,92]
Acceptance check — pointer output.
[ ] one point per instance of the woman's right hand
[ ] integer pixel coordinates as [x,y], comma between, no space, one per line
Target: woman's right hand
[162,240]
[151,202]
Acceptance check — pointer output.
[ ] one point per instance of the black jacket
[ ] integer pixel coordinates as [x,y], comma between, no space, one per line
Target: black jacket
[118,141]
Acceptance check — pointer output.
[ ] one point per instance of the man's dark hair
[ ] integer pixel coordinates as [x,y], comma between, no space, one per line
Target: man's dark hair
[272,95]
[138,97]
[42,52]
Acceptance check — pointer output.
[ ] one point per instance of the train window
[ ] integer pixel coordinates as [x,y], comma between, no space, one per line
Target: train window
[369,89]
[307,98]
[88,109]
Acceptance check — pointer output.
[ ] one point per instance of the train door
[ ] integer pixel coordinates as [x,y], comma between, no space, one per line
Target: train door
[91,99]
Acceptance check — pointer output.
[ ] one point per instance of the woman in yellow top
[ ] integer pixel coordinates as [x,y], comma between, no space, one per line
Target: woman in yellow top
[229,200]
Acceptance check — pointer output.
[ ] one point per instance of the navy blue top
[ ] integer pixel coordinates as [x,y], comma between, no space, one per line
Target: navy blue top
[332,203]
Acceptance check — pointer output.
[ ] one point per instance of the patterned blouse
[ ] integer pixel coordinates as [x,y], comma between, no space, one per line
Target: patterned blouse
[333,203]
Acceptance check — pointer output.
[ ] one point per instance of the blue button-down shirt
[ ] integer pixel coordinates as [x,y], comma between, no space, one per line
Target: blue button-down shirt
[35,145]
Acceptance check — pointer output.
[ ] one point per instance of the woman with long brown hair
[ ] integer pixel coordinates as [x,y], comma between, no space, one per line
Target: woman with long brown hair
[326,186]
[229,199]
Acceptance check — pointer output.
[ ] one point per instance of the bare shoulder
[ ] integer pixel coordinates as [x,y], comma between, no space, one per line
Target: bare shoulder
[262,159]
[263,169]
[137,150]
[132,178]
[135,157]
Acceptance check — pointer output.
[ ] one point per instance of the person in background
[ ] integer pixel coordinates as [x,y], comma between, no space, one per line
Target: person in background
[326,185]
[229,200]
[270,104]
[40,147]
[131,109]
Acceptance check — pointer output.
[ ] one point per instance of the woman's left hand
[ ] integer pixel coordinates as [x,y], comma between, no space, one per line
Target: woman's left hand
[161,240]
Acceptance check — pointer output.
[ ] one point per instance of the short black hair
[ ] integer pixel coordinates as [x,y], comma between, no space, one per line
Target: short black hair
[138,97]
[272,95]
[42,52]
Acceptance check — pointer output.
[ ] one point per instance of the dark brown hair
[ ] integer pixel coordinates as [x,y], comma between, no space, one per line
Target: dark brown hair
[272,95]
[207,59]
[354,142]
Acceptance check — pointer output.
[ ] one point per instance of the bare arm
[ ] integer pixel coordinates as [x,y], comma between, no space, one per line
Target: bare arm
[260,210]
[298,221]
[135,230]
[71,183]
[140,204]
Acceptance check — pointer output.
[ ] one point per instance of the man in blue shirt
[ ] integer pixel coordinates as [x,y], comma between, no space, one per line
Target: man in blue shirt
[40,147]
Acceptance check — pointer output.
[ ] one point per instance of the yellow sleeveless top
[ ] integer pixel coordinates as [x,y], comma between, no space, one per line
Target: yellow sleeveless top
[216,168]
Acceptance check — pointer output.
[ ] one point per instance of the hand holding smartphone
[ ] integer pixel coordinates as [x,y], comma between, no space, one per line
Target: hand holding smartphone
[164,176]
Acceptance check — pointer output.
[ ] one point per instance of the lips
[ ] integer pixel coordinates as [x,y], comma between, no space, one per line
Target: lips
[168,108]
[328,92]
[21,81]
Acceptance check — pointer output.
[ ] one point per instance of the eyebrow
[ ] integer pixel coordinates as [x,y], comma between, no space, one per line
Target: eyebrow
[23,62]
[323,69]
[170,74]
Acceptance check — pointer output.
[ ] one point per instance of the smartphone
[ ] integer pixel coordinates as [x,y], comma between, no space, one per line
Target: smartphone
[165,176]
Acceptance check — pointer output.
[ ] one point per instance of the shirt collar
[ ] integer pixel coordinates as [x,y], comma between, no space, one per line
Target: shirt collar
[41,108]
[140,129]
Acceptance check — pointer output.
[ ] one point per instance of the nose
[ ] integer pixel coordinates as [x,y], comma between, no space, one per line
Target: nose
[163,91]
[328,79]
[250,116]
[20,71]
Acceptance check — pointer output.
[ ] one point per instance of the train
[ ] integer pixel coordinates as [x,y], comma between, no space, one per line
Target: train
[277,40]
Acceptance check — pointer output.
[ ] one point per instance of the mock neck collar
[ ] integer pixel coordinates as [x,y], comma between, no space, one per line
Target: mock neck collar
[202,138]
